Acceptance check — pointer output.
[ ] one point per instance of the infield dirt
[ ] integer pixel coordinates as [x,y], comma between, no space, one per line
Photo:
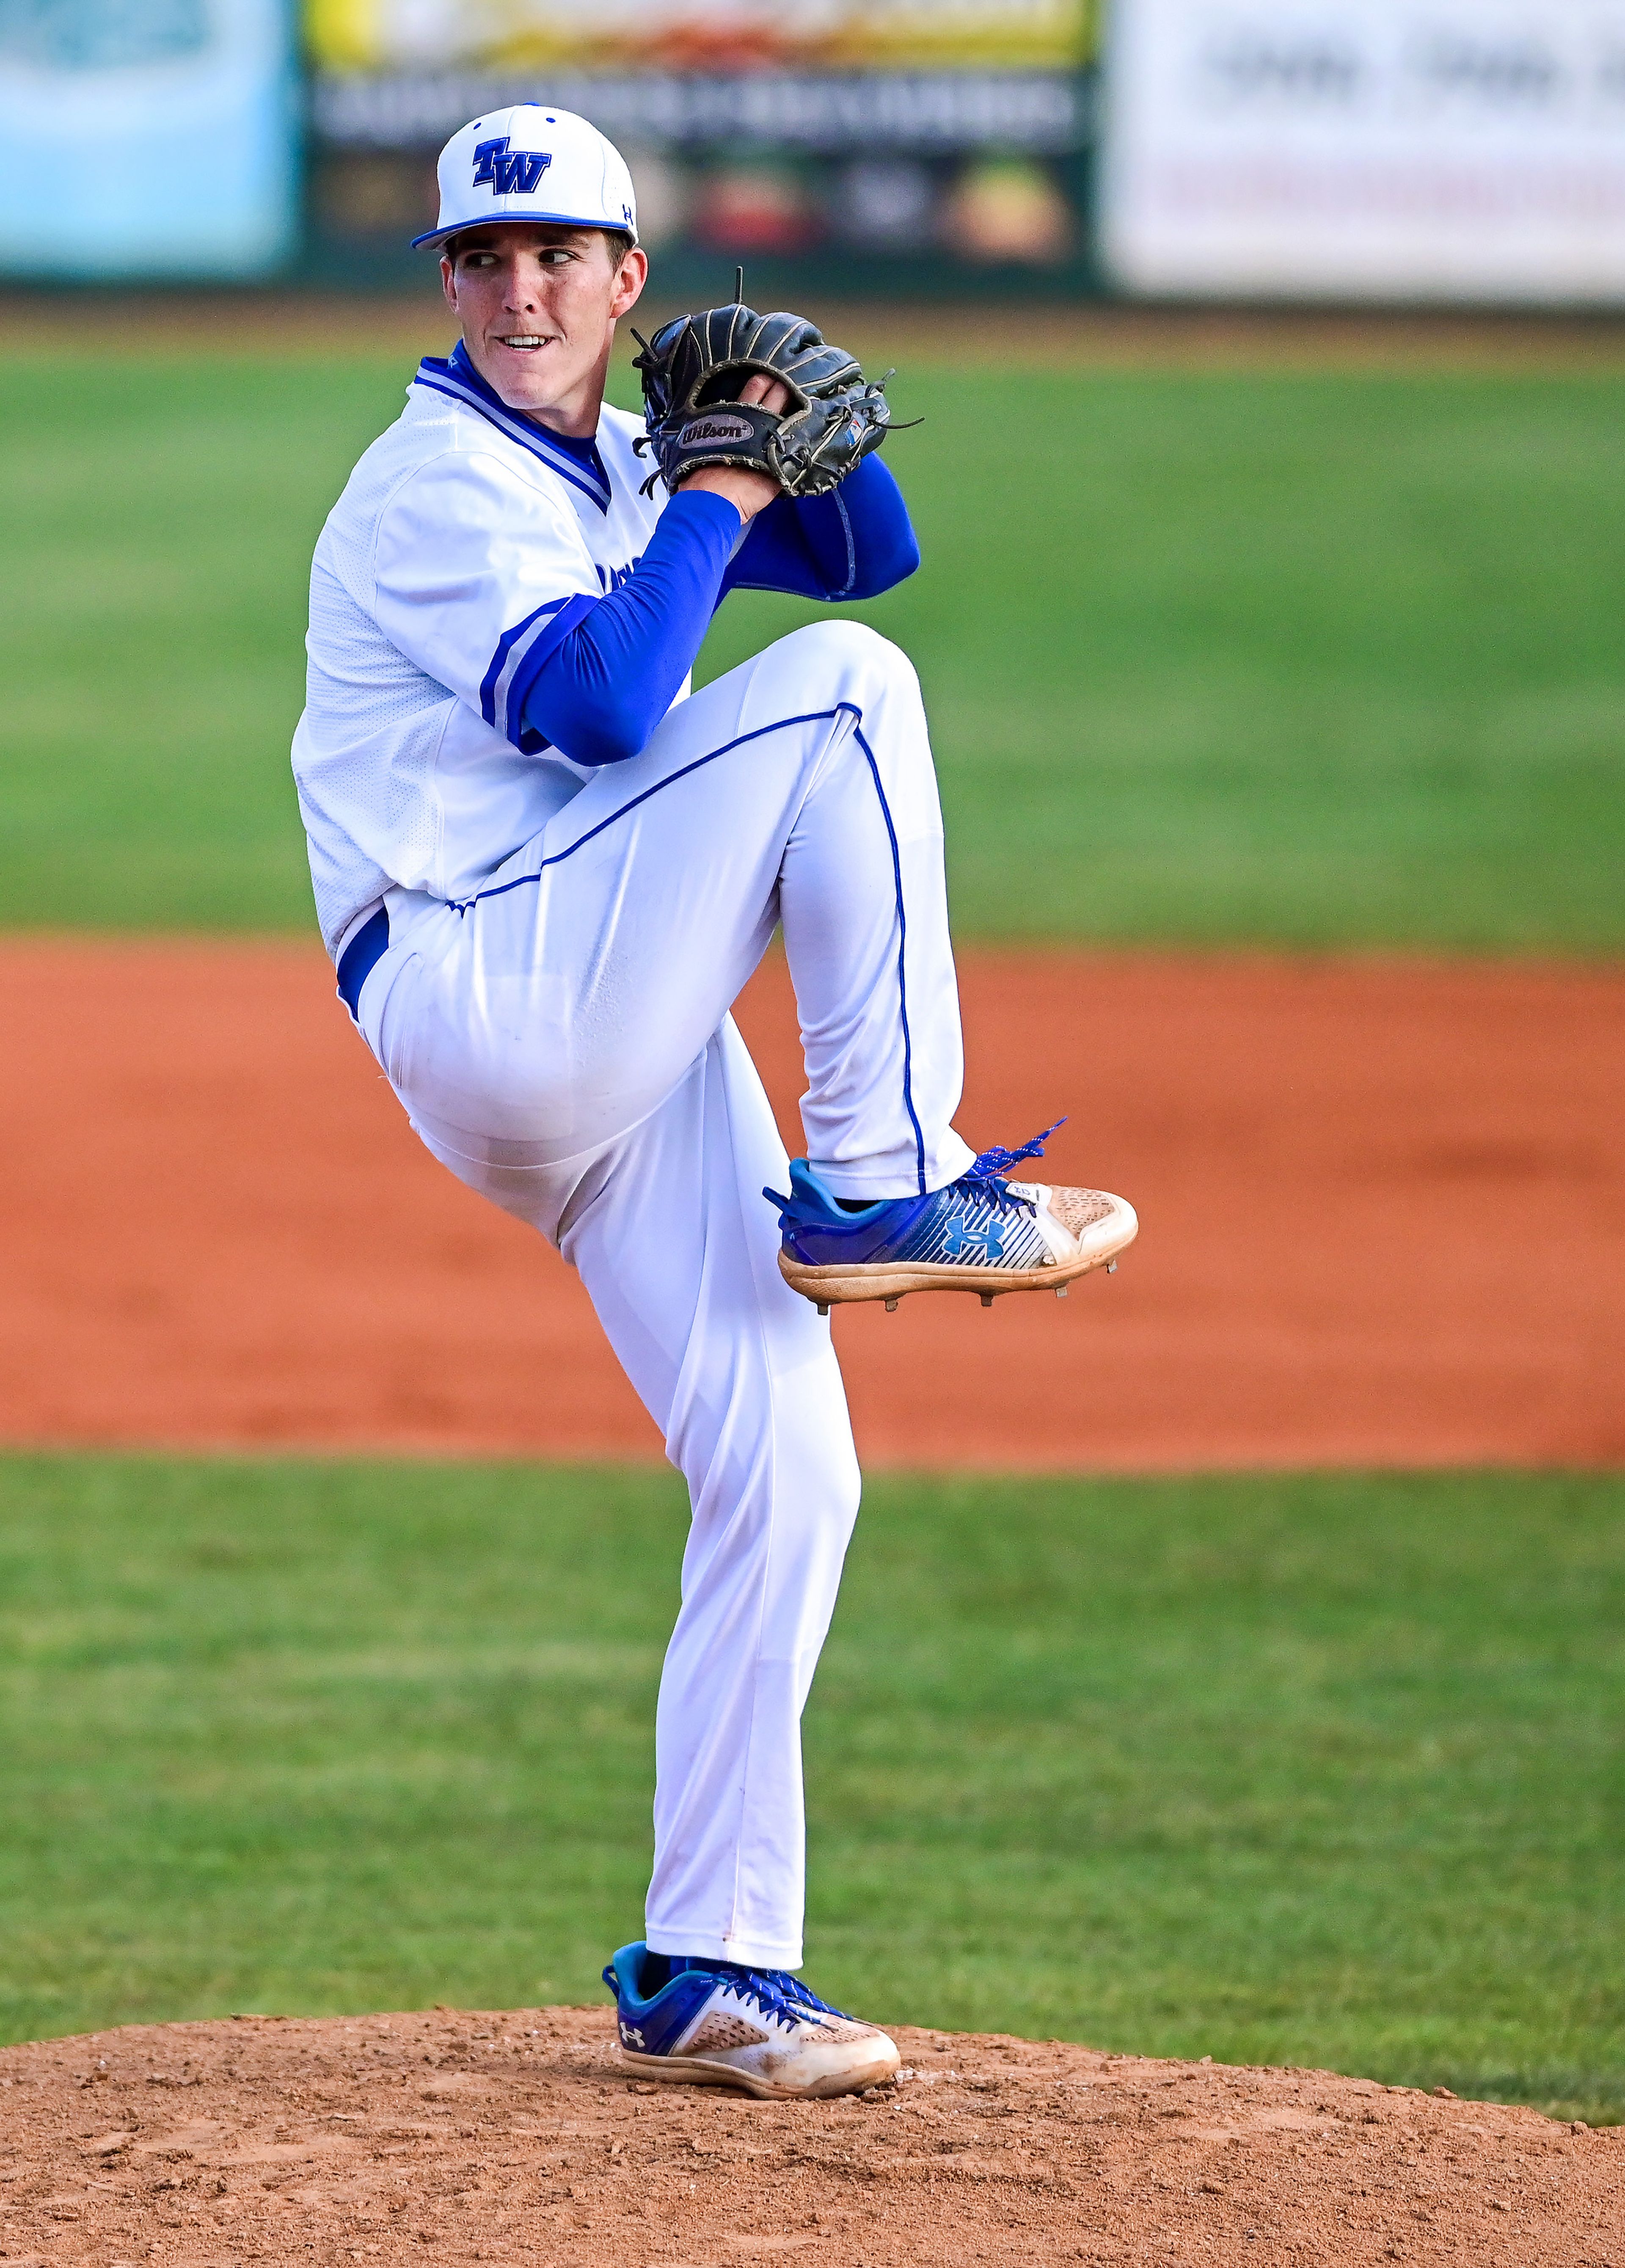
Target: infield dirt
[514,2137]
[1383,1209]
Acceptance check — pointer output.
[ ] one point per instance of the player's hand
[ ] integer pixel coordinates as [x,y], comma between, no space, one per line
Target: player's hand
[770,392]
[747,492]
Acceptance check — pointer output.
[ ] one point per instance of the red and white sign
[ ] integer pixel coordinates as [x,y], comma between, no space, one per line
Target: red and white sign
[1467,150]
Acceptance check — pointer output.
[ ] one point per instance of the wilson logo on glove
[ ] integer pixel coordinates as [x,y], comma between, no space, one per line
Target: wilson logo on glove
[695,369]
[702,432]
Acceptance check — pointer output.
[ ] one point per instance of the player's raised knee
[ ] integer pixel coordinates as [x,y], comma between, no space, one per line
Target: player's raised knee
[846,651]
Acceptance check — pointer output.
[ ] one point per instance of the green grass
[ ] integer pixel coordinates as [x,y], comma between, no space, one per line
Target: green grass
[1316,1769]
[1319,659]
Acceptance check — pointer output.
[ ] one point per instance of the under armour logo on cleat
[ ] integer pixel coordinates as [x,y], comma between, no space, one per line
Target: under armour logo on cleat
[630,2036]
[976,1243]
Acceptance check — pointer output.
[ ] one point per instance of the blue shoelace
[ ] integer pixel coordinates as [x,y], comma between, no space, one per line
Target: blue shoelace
[775,1990]
[987,1173]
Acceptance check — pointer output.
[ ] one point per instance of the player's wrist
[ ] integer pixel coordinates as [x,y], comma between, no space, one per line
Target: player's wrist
[746,492]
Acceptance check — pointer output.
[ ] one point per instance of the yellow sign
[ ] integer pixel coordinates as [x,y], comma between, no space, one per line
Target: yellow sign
[716,35]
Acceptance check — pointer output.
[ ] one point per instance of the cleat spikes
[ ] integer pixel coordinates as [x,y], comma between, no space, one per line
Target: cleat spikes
[823,1306]
[986,1297]
[891,1306]
[1060,1290]
[1111,1268]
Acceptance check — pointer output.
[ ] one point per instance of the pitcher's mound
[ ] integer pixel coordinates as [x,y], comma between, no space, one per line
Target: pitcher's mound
[514,2137]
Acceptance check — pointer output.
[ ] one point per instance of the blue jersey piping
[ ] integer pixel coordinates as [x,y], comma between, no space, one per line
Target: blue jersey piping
[781,724]
[508,679]
[439,376]
[902,949]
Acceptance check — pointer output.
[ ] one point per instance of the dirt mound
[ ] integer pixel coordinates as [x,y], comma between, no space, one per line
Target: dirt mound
[514,2136]
[1383,1223]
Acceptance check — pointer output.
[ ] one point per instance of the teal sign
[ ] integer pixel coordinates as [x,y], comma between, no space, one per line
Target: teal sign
[146,139]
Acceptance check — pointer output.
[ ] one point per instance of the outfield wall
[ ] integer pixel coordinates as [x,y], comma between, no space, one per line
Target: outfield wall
[1397,151]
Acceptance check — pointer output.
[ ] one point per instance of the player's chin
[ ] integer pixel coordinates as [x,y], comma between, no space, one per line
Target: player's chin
[526,377]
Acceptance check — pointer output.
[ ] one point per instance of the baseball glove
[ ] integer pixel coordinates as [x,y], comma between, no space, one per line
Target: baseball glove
[692,371]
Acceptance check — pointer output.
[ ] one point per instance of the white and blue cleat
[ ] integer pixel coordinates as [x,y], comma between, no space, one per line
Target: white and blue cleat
[983,1234]
[724,2025]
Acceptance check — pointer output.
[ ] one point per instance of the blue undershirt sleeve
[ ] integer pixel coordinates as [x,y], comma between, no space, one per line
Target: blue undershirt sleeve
[597,694]
[854,543]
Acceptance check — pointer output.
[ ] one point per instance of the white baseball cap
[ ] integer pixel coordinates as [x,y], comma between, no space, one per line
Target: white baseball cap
[531,163]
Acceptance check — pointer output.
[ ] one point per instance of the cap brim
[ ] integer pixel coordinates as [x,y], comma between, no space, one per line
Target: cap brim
[518,220]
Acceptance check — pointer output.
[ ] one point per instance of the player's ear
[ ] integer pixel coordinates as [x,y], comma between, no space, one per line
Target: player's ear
[629,282]
[448,277]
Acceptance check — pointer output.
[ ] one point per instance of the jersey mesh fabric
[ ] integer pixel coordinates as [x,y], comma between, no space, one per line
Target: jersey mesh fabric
[378,694]
[400,780]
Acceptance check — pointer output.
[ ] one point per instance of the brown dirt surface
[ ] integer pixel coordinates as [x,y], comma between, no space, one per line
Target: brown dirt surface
[514,2136]
[1383,1209]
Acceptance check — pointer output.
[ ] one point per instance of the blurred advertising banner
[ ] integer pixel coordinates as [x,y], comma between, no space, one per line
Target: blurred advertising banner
[146,139]
[717,34]
[794,131]
[1467,150]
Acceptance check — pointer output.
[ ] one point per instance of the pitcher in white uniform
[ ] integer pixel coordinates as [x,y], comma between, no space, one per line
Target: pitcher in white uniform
[545,869]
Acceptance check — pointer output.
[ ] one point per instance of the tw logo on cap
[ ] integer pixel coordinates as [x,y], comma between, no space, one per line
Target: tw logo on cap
[510,172]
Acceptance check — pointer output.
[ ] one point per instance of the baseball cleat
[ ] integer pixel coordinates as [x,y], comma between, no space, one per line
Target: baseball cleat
[983,1234]
[723,2025]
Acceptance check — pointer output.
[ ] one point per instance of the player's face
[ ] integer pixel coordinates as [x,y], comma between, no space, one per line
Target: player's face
[538,307]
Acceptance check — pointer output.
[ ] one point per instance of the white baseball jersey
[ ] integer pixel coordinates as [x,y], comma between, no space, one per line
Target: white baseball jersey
[466,539]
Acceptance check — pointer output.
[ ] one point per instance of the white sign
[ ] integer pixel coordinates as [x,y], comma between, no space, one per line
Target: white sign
[1469,150]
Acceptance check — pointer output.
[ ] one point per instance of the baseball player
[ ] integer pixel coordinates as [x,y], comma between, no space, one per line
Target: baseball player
[545,869]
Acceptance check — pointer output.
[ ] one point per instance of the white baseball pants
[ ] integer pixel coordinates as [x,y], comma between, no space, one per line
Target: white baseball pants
[562,1043]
